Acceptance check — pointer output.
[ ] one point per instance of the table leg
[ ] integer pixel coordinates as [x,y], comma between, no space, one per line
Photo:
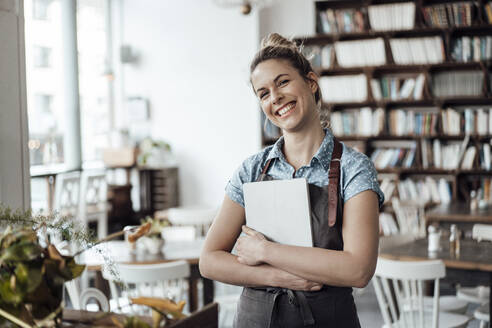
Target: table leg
[208,291]
[193,293]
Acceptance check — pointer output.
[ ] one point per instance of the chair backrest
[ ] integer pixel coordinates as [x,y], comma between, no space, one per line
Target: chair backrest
[165,280]
[94,200]
[67,193]
[199,217]
[410,217]
[94,293]
[399,286]
[482,232]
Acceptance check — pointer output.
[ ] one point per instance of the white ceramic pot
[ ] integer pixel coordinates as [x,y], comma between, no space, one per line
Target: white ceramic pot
[153,245]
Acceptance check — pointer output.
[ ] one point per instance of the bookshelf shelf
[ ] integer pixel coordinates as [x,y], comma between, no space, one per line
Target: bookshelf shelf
[438,115]
[416,32]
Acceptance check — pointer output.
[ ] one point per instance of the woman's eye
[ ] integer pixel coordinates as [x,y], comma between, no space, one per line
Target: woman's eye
[263,95]
[283,82]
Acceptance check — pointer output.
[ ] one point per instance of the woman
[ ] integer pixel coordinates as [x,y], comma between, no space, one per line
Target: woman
[291,286]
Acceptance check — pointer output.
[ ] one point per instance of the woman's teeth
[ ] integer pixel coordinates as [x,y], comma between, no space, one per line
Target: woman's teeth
[286,109]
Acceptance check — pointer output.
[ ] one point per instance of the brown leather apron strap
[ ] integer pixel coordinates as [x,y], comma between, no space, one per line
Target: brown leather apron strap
[264,170]
[334,182]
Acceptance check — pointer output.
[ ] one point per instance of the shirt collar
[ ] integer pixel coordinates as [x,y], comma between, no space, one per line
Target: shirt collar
[323,155]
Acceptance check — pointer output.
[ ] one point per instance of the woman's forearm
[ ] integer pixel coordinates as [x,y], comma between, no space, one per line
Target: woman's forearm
[330,267]
[224,267]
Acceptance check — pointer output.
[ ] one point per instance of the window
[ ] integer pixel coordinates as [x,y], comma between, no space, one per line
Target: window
[42,57]
[45,78]
[40,9]
[44,83]
[94,77]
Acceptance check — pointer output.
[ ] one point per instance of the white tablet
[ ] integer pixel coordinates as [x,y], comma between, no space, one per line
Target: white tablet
[280,210]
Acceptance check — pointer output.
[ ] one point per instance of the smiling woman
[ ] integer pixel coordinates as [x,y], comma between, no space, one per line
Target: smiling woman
[292,286]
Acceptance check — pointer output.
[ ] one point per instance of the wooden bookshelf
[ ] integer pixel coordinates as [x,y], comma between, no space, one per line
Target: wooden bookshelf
[461,180]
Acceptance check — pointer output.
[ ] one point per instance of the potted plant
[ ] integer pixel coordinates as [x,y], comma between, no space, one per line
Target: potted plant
[153,241]
[32,270]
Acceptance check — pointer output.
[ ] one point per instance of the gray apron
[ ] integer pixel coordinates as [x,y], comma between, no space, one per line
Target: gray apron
[331,306]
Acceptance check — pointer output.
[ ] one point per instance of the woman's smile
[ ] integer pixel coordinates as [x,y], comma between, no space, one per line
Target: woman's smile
[286,110]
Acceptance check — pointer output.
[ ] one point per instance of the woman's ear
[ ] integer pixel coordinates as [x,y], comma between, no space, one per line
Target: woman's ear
[313,81]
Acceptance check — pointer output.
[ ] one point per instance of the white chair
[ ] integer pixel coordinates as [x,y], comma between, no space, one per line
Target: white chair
[404,305]
[478,294]
[67,191]
[93,201]
[94,293]
[199,217]
[164,280]
[80,301]
[483,314]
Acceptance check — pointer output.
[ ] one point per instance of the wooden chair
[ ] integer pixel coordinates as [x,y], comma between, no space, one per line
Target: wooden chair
[165,280]
[399,291]
[93,201]
[478,294]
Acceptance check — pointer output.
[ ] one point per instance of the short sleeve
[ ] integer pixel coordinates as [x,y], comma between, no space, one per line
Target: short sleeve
[360,175]
[246,172]
[234,188]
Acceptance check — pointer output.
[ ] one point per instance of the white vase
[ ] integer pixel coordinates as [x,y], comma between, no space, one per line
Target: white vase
[153,245]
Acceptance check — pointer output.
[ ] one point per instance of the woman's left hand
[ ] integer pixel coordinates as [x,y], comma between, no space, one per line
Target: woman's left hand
[250,247]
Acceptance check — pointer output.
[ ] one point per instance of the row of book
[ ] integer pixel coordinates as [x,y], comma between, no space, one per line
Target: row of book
[364,121]
[484,192]
[397,157]
[457,83]
[320,56]
[345,20]
[398,87]
[344,88]
[449,155]
[467,121]
[404,122]
[425,190]
[353,88]
[451,14]
[426,50]
[392,16]
[472,48]
[370,52]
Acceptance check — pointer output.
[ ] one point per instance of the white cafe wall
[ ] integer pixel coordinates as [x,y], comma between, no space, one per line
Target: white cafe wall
[194,69]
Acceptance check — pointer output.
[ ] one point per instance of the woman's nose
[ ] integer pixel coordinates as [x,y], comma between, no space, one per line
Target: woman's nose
[276,97]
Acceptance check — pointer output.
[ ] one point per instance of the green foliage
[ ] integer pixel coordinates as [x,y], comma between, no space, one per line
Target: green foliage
[32,273]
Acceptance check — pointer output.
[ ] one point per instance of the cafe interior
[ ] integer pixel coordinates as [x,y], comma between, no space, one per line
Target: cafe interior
[122,121]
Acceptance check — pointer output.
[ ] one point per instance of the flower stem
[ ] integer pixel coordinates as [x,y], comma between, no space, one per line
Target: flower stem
[15,320]
[107,238]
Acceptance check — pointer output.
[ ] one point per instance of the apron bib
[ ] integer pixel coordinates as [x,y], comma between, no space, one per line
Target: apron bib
[329,307]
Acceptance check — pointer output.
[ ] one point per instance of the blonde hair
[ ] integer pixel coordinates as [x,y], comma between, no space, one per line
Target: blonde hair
[275,46]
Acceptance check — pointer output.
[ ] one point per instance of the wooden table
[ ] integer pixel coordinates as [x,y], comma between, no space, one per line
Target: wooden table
[474,262]
[176,250]
[207,317]
[458,212]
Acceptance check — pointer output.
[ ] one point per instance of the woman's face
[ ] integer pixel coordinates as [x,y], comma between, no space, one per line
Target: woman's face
[286,98]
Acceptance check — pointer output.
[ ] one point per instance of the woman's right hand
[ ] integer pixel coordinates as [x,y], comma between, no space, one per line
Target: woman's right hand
[288,280]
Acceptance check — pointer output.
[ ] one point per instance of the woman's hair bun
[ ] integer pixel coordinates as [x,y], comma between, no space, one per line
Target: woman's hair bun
[276,40]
